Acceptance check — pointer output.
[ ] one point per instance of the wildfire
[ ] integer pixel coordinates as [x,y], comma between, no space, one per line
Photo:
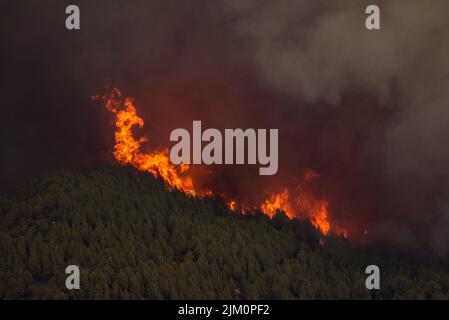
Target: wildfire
[232,205]
[127,150]
[277,202]
[317,212]
[302,206]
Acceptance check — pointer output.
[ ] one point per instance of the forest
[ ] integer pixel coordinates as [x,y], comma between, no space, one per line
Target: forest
[132,238]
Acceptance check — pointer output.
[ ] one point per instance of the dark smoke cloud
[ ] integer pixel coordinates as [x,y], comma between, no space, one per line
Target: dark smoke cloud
[316,51]
[367,110]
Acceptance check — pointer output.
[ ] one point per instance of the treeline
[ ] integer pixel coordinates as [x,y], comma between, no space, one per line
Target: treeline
[133,239]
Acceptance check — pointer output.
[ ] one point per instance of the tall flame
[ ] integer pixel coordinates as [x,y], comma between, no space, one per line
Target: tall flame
[128,151]
[298,203]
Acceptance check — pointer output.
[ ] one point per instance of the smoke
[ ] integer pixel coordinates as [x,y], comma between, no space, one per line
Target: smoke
[322,53]
[367,110]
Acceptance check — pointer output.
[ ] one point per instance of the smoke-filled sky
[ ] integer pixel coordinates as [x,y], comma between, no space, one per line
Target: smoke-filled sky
[367,110]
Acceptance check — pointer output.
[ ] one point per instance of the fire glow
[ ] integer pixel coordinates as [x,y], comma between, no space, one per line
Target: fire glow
[298,203]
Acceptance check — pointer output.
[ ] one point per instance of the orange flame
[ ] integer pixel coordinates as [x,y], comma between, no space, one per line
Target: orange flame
[277,202]
[317,212]
[127,151]
[304,206]
[232,204]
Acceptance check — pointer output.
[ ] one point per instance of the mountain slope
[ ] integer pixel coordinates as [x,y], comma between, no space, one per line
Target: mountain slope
[132,238]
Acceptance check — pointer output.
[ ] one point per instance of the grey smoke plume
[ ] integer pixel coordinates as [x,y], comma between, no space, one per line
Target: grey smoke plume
[321,52]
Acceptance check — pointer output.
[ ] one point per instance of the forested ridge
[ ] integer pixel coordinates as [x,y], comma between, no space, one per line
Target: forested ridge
[134,239]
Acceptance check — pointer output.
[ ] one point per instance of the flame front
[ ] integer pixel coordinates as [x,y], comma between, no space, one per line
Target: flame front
[303,205]
[317,212]
[277,202]
[127,151]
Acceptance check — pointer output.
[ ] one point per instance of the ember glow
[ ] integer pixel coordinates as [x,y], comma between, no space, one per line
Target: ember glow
[296,203]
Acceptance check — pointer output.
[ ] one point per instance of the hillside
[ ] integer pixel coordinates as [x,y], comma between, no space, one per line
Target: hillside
[133,239]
